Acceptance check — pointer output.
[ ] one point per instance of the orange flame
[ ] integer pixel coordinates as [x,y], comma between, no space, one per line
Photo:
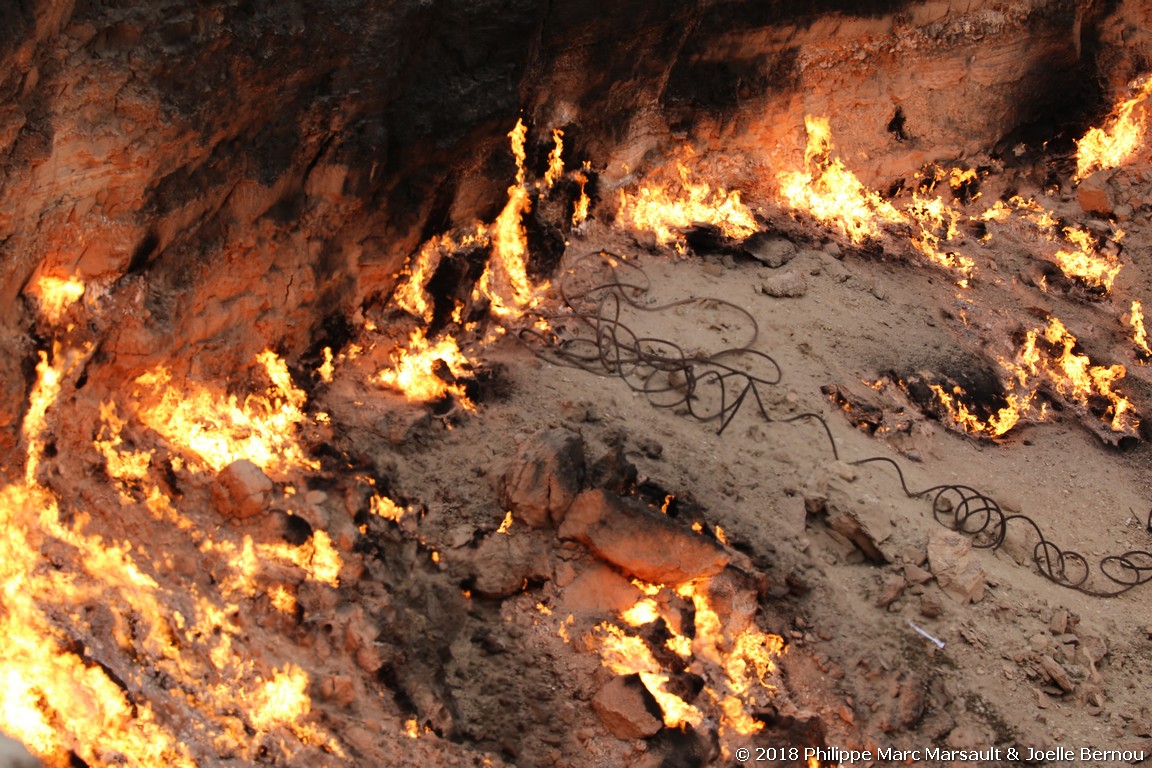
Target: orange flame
[998,423]
[555,160]
[664,212]
[1085,263]
[59,700]
[415,370]
[219,430]
[1123,135]
[1080,259]
[833,195]
[580,210]
[1139,335]
[1072,375]
[55,295]
[736,669]
[505,278]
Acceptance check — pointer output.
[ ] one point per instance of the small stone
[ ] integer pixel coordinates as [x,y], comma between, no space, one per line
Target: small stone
[241,490]
[786,285]
[915,574]
[13,754]
[930,607]
[1058,625]
[914,556]
[627,709]
[770,250]
[502,563]
[1056,673]
[1093,648]
[1039,643]
[338,688]
[893,587]
[1095,195]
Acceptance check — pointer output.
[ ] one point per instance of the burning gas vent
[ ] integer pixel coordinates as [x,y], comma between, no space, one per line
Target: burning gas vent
[442,386]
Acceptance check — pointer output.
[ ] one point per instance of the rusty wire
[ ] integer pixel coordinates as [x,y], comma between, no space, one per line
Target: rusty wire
[588,333]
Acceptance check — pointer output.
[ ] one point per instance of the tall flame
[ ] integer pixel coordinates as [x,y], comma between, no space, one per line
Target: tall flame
[1122,136]
[1139,335]
[555,159]
[505,278]
[831,193]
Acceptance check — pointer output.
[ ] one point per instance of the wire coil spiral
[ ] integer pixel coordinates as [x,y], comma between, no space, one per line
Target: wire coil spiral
[589,333]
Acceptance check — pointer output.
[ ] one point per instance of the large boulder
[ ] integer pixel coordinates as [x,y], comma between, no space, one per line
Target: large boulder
[640,542]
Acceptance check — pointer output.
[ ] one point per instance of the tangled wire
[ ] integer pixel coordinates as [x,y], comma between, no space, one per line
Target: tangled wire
[589,332]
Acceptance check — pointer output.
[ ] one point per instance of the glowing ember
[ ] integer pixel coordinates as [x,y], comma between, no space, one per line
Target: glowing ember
[386,508]
[1119,140]
[219,430]
[666,213]
[1139,335]
[644,612]
[55,295]
[425,372]
[505,524]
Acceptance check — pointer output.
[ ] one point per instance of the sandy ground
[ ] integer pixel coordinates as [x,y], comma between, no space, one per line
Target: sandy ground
[854,657]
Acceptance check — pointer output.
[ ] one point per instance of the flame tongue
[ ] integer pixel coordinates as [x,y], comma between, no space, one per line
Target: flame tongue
[737,670]
[1114,145]
[830,193]
[664,213]
[1046,359]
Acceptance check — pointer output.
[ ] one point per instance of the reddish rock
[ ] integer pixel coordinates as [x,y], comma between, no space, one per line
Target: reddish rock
[501,564]
[544,477]
[241,490]
[599,590]
[627,709]
[642,543]
[1094,194]
[957,570]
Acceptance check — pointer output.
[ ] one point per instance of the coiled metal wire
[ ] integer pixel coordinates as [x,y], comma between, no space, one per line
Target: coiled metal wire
[588,332]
